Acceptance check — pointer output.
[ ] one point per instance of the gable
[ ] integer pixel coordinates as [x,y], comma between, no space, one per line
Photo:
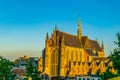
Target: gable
[90,44]
[90,52]
[94,45]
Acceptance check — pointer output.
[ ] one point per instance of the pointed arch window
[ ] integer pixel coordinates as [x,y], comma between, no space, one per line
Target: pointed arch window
[80,56]
[76,55]
[72,55]
[54,63]
[67,54]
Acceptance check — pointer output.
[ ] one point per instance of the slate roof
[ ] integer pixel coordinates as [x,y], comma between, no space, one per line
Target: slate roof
[101,58]
[94,44]
[74,41]
[90,52]
[71,40]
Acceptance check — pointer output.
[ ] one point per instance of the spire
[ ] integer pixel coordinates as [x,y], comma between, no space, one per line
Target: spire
[47,39]
[79,25]
[102,46]
[79,33]
[47,36]
[57,37]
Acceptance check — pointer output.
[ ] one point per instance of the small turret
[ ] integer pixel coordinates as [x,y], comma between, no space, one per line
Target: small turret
[62,40]
[58,37]
[47,37]
[102,47]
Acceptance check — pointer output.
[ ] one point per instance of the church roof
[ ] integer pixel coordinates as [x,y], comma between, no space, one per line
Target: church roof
[72,40]
[90,52]
[94,44]
[83,42]
[101,58]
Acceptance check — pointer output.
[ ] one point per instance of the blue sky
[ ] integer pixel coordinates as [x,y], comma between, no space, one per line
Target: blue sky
[24,23]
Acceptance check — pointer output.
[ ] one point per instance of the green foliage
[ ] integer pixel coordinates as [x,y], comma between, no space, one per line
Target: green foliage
[5,69]
[118,40]
[115,58]
[115,55]
[107,75]
[32,71]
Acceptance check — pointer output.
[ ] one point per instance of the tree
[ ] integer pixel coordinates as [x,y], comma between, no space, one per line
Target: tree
[115,55]
[115,58]
[107,75]
[32,71]
[5,69]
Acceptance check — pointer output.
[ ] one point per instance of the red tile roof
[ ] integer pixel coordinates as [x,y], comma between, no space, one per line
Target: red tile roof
[19,71]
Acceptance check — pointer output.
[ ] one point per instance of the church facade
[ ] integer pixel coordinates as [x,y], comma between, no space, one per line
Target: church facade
[72,55]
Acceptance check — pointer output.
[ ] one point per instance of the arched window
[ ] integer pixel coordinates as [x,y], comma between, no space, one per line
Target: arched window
[72,55]
[67,54]
[54,63]
[80,56]
[76,55]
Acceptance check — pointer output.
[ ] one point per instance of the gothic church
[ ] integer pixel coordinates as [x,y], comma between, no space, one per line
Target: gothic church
[72,55]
